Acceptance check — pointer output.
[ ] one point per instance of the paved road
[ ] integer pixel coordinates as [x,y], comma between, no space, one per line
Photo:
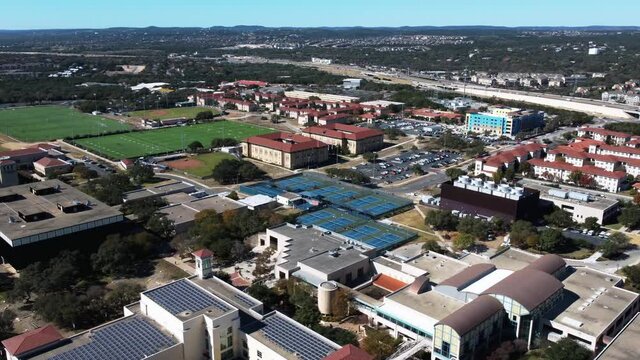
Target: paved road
[417,184]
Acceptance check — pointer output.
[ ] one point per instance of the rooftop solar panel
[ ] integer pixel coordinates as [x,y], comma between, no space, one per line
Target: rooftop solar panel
[182,295]
[127,339]
[295,339]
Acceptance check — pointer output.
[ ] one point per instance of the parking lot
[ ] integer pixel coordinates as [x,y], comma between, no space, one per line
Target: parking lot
[596,238]
[412,127]
[401,167]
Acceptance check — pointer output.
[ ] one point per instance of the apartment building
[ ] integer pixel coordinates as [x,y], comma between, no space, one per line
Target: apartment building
[510,158]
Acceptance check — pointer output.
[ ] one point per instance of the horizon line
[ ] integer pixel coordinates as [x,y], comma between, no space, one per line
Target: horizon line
[637,27]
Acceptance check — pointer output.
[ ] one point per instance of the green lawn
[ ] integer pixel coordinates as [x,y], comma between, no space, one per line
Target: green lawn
[209,161]
[42,123]
[162,114]
[167,140]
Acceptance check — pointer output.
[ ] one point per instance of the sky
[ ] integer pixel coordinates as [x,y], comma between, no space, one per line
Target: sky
[69,14]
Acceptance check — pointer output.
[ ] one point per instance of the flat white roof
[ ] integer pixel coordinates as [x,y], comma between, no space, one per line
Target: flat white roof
[257,200]
[381,103]
[487,281]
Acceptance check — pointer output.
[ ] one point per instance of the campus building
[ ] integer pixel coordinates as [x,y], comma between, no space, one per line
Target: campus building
[8,173]
[508,159]
[200,317]
[42,211]
[473,196]
[287,150]
[580,205]
[462,308]
[504,121]
[357,140]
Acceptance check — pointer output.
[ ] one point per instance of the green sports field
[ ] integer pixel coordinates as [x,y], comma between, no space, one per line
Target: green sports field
[163,114]
[42,123]
[167,140]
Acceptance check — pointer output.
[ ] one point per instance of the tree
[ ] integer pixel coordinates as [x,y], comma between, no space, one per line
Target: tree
[567,349]
[379,344]
[417,170]
[195,146]
[615,245]
[632,272]
[432,245]
[591,223]
[559,218]
[83,172]
[307,312]
[204,115]
[123,293]
[140,173]
[353,176]
[476,227]
[370,156]
[526,169]
[161,226]
[233,195]
[630,216]
[143,208]
[441,220]
[338,335]
[550,240]
[521,232]
[463,242]
[110,188]
[575,176]
[263,263]
[266,295]
[116,257]
[229,171]
[509,350]
[454,173]
[6,323]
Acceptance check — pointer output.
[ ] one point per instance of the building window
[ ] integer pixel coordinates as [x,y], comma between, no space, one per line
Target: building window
[259,354]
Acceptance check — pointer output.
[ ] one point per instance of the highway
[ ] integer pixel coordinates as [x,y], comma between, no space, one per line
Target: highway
[591,106]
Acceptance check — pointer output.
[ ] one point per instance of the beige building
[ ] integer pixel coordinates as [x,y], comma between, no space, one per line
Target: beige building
[357,139]
[287,150]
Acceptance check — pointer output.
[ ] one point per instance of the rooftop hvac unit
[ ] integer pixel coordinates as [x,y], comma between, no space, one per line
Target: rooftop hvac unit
[477,182]
[464,179]
[558,193]
[578,196]
[489,185]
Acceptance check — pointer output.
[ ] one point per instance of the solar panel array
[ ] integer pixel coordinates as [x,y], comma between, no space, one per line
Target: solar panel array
[245,300]
[127,339]
[295,339]
[182,295]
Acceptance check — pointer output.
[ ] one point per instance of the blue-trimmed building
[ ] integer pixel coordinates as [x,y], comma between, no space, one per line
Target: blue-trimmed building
[504,121]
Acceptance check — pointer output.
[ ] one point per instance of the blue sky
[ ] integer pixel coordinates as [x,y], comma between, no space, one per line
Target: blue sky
[49,14]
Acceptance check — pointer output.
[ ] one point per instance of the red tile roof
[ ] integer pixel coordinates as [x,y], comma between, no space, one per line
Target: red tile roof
[202,253]
[22,152]
[251,83]
[510,156]
[588,169]
[388,283]
[286,142]
[604,132]
[32,340]
[50,162]
[349,352]
[621,149]
[343,131]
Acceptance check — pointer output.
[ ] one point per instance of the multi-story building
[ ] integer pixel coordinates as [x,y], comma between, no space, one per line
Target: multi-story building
[287,150]
[357,140]
[510,158]
[604,135]
[504,121]
[200,317]
[8,173]
[477,197]
[611,181]
[462,308]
